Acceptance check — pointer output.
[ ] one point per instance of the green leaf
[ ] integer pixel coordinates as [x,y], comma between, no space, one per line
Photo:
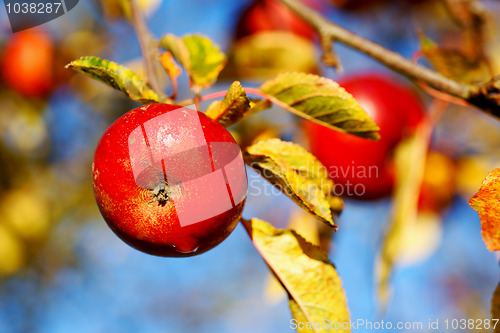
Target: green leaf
[310,279]
[452,63]
[296,173]
[487,203]
[323,101]
[234,107]
[117,77]
[200,57]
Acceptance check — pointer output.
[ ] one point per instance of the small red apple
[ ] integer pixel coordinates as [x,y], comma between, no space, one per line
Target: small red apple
[169,181]
[28,61]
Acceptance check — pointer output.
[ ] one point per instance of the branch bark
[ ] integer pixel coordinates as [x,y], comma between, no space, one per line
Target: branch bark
[148,49]
[485,99]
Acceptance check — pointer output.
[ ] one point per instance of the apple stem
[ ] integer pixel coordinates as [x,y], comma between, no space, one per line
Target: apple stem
[197,100]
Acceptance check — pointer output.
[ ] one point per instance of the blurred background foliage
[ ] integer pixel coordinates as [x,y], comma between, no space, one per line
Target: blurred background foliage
[62,270]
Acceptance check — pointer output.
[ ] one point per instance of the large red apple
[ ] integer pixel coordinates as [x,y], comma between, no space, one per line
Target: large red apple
[169,181]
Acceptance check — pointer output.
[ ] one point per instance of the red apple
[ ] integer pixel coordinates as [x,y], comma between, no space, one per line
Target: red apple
[271,15]
[169,181]
[27,62]
[360,167]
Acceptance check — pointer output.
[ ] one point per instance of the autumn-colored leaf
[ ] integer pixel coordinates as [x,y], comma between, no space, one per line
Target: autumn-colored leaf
[296,173]
[410,162]
[200,57]
[308,227]
[310,279]
[323,101]
[173,70]
[473,20]
[169,65]
[487,203]
[234,107]
[453,63]
[117,77]
[265,54]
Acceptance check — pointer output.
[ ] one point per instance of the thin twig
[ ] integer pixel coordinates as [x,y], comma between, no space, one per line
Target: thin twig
[248,91]
[203,98]
[197,100]
[475,95]
[441,95]
[175,88]
[148,49]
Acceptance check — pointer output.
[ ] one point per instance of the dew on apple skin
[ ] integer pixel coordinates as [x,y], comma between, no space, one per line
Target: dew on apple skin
[185,251]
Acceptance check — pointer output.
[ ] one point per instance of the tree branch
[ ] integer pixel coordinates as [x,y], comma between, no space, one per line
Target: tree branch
[148,49]
[478,96]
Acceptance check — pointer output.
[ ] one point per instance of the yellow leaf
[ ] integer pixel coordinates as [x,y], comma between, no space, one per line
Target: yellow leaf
[306,226]
[296,173]
[168,63]
[314,288]
[410,162]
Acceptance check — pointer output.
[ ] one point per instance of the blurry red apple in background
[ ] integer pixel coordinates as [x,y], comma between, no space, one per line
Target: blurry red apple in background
[271,39]
[271,15]
[360,167]
[27,63]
